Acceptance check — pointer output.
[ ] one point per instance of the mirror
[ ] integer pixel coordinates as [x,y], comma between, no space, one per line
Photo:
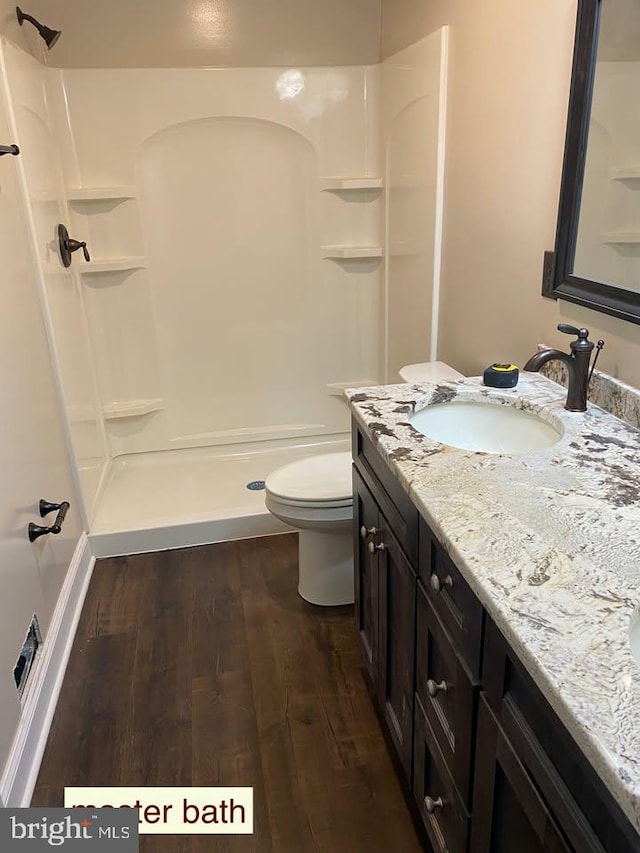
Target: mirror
[597,254]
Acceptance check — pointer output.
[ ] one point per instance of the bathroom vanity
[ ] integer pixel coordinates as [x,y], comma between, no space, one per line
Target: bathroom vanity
[494,597]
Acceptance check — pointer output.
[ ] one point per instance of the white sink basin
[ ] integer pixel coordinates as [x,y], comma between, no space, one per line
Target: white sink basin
[634,638]
[485,427]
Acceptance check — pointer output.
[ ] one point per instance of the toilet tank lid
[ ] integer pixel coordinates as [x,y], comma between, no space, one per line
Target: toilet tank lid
[317,478]
[428,371]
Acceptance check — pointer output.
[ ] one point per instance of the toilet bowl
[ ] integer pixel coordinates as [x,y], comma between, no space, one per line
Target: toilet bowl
[315,496]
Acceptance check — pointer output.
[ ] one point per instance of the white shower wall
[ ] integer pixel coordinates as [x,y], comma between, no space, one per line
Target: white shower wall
[414,83]
[238,278]
[32,93]
[227,324]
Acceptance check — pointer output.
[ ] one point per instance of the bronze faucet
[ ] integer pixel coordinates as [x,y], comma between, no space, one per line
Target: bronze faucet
[577,364]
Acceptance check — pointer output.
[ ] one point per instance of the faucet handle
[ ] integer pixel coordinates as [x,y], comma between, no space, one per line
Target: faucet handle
[582,334]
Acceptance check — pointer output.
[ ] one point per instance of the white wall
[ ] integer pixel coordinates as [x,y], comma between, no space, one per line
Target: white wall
[11,29]
[220,33]
[236,325]
[510,69]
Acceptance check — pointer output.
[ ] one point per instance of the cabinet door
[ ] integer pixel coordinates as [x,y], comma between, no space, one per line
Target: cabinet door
[443,813]
[366,574]
[591,820]
[509,813]
[397,610]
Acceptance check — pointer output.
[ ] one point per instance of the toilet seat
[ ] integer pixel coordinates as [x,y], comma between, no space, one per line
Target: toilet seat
[311,505]
[316,482]
[310,517]
[313,494]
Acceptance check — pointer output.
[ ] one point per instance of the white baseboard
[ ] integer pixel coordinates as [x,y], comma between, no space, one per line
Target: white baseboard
[21,770]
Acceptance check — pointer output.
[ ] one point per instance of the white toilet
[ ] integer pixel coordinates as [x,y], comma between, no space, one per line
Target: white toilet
[315,496]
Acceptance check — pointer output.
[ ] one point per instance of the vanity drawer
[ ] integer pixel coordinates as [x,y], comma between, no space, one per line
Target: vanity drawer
[452,599]
[447,693]
[443,813]
[392,499]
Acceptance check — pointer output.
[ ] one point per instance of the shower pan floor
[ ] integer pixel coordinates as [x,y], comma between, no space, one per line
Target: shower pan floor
[194,496]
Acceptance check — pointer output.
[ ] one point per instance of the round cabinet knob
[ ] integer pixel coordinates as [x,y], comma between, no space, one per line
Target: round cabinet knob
[437,584]
[367,531]
[431,805]
[433,688]
[373,547]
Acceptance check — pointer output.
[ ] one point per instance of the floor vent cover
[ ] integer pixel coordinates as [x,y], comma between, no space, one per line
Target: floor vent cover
[256,486]
[27,655]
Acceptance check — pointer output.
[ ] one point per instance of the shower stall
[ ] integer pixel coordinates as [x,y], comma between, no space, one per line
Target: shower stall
[259,239]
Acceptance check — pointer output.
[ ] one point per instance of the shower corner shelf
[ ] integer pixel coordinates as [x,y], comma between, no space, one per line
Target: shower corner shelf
[336,389]
[622,238]
[626,173]
[351,252]
[100,265]
[132,408]
[338,183]
[101,193]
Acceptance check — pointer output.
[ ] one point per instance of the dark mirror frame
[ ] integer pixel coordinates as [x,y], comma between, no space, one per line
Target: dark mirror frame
[558,279]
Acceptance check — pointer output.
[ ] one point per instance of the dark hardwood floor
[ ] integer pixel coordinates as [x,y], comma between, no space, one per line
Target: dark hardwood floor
[204,667]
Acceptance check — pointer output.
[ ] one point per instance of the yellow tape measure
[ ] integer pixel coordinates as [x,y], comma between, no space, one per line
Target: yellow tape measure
[503,368]
[501,376]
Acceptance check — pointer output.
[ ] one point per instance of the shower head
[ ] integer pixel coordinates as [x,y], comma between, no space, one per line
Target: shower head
[50,36]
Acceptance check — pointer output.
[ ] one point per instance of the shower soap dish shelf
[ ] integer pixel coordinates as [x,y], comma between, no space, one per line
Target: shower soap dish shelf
[350,184]
[132,408]
[626,173]
[101,193]
[352,252]
[99,265]
[622,238]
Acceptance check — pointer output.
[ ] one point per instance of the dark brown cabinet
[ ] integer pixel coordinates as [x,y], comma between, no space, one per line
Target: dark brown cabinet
[490,766]
[385,612]
[447,692]
[573,795]
[397,627]
[509,813]
[366,574]
[452,599]
[443,813]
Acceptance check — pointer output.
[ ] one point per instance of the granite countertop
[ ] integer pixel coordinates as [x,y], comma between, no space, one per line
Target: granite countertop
[550,543]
